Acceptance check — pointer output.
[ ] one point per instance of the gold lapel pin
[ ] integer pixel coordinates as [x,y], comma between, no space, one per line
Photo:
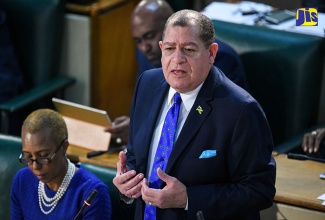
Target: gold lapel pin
[199,110]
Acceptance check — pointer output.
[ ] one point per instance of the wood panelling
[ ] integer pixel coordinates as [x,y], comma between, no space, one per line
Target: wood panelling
[113,60]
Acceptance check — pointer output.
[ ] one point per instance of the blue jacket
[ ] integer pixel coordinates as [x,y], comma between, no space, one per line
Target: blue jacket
[25,201]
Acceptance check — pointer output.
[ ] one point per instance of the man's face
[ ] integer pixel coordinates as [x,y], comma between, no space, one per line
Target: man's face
[185,59]
[147,34]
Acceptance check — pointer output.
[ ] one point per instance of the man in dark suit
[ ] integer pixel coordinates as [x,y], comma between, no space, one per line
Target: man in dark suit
[147,24]
[220,162]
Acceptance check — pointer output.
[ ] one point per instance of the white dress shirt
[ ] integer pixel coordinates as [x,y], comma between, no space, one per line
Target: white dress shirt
[186,105]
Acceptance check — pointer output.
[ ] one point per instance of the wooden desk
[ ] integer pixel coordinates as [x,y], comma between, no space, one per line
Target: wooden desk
[77,154]
[298,183]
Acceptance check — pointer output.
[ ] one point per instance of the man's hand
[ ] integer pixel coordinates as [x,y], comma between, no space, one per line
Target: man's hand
[120,130]
[126,180]
[311,141]
[173,195]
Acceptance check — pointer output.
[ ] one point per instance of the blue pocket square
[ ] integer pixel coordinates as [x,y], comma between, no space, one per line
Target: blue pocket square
[208,154]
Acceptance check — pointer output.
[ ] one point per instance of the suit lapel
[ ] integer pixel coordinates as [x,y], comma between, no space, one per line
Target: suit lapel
[158,94]
[194,120]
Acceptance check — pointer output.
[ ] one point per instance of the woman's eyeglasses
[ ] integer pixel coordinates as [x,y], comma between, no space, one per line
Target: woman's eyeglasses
[40,160]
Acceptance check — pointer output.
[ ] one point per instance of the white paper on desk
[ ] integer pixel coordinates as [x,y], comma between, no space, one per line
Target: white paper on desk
[322,197]
[232,12]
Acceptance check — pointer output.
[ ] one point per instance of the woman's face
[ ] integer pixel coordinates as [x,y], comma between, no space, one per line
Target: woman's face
[41,144]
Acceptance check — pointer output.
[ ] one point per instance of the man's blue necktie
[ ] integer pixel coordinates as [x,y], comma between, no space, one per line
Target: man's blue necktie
[165,146]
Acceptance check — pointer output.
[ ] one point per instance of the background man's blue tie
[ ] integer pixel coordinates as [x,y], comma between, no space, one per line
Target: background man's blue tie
[165,146]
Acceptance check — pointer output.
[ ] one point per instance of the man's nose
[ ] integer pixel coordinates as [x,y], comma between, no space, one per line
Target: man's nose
[144,46]
[179,56]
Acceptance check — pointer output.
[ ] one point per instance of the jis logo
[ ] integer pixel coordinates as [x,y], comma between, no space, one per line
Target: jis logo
[307,17]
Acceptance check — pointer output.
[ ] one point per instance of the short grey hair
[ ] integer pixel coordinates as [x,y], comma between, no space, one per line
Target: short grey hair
[46,120]
[191,18]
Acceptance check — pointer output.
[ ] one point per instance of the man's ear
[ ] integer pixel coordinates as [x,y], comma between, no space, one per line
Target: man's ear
[213,49]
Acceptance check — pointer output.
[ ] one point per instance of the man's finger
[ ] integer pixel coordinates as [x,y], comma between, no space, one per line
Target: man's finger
[163,176]
[145,183]
[121,165]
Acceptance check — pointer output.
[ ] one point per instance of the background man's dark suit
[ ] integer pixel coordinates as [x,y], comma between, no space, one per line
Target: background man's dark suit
[236,183]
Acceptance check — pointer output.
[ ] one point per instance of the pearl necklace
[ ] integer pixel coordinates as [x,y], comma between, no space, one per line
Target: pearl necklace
[43,200]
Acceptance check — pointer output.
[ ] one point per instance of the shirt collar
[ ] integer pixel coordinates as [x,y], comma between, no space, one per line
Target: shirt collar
[188,98]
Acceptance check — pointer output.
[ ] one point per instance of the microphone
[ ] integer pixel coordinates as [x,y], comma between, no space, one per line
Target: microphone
[304,157]
[199,215]
[87,202]
[96,153]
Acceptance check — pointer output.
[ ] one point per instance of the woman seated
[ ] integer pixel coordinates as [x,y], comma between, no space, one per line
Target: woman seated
[52,187]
